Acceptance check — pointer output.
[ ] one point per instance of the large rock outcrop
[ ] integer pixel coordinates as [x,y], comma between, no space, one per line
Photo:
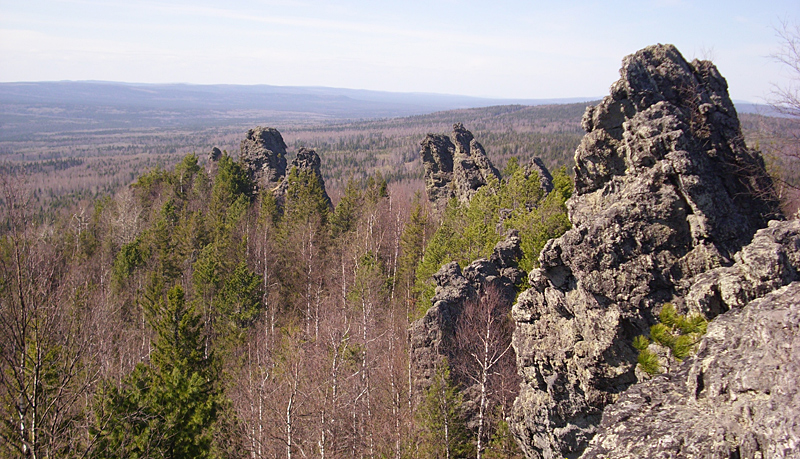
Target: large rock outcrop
[263,152]
[212,162]
[545,179]
[454,168]
[738,396]
[665,189]
[434,336]
[307,161]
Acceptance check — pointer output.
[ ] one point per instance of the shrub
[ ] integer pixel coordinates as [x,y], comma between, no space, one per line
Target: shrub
[676,332]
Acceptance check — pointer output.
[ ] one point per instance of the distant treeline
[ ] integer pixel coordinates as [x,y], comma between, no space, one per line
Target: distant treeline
[111,158]
[49,165]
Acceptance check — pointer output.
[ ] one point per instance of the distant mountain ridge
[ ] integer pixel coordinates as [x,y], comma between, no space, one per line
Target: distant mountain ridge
[329,102]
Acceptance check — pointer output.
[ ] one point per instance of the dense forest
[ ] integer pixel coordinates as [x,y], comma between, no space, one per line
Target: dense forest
[191,315]
[63,166]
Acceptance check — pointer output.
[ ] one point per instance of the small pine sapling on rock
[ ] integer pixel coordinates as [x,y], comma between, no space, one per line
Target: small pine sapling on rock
[677,333]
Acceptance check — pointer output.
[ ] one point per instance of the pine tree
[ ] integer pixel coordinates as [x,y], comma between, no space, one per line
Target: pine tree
[503,445]
[412,242]
[345,216]
[444,433]
[169,407]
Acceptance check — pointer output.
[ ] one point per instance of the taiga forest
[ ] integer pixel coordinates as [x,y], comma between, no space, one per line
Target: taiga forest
[541,281]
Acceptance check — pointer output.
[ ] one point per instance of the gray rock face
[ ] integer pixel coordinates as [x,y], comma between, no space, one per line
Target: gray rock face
[545,179]
[263,152]
[454,168]
[214,155]
[306,160]
[771,261]
[437,159]
[433,337]
[665,189]
[738,397]
[213,158]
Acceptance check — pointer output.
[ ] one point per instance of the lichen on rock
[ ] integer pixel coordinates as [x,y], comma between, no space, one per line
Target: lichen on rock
[263,152]
[665,189]
[737,397]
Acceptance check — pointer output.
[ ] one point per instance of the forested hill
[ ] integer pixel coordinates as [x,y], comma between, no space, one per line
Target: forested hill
[90,162]
[250,292]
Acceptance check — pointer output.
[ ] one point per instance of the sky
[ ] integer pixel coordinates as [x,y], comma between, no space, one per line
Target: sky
[499,49]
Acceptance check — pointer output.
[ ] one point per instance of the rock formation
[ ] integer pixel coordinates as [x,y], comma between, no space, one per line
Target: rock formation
[263,152]
[738,396]
[454,168]
[433,337]
[214,155]
[213,158]
[545,179]
[306,160]
[769,262]
[665,189]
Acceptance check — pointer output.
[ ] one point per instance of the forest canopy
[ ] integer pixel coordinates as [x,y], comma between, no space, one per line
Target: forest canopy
[192,315]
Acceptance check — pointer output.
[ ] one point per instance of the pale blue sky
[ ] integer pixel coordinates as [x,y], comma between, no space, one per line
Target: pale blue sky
[502,48]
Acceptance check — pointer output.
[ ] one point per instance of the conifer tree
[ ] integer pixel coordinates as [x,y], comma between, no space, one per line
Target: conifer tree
[169,407]
[444,434]
[345,215]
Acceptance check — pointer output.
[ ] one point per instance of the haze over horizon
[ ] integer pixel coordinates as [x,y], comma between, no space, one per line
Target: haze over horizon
[511,49]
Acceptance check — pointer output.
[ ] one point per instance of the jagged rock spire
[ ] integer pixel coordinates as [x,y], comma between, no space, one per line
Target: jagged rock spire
[454,169]
[665,189]
[306,160]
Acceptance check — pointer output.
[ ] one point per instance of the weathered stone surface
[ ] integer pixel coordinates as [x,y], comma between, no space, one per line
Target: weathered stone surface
[665,189]
[738,397]
[263,152]
[471,166]
[454,168]
[437,159]
[214,155]
[771,261]
[306,160]
[433,337]
[545,179]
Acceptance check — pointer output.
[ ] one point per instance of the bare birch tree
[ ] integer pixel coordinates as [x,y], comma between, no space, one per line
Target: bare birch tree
[483,334]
